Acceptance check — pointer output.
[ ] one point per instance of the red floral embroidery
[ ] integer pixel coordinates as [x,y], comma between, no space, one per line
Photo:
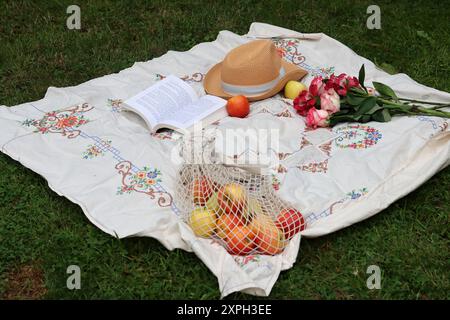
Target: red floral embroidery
[64,122]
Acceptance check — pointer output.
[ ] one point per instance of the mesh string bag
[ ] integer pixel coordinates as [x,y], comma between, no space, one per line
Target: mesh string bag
[236,207]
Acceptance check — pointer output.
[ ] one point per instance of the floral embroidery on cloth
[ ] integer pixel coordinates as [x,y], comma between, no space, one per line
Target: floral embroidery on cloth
[195,77]
[319,140]
[115,104]
[255,261]
[288,49]
[443,126]
[64,122]
[275,182]
[351,136]
[96,150]
[283,114]
[326,148]
[281,169]
[313,167]
[304,142]
[242,261]
[355,194]
[67,123]
[145,181]
[350,196]
[357,136]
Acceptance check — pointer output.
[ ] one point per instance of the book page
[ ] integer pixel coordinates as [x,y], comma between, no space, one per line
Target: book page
[195,112]
[164,100]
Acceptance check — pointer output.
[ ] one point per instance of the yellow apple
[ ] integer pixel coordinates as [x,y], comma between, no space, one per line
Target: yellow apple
[293,89]
[262,223]
[232,198]
[203,222]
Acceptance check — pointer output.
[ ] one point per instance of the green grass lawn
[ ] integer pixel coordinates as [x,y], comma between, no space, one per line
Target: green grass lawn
[41,233]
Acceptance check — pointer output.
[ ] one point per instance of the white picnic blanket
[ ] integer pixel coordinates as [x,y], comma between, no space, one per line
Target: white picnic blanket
[104,159]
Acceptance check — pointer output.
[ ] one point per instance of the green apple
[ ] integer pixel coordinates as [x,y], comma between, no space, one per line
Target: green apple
[213,204]
[293,89]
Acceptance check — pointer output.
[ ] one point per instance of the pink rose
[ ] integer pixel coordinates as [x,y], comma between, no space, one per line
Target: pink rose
[353,82]
[330,101]
[337,83]
[331,82]
[316,86]
[304,102]
[341,83]
[317,118]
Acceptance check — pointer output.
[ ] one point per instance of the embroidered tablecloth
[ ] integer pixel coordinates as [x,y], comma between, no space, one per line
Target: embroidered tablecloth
[104,159]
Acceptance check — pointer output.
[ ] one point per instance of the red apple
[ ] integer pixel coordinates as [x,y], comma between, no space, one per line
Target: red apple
[202,189]
[232,198]
[238,106]
[240,241]
[226,223]
[291,222]
[270,240]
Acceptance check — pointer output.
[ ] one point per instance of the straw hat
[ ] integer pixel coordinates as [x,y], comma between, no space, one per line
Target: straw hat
[254,69]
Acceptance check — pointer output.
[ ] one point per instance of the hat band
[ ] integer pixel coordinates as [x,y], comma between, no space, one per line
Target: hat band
[232,89]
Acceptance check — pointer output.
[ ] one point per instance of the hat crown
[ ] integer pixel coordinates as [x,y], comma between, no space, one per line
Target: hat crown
[253,63]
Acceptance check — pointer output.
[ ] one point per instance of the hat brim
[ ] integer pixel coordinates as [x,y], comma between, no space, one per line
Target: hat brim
[213,86]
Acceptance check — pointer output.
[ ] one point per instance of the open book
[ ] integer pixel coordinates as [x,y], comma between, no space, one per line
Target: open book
[173,104]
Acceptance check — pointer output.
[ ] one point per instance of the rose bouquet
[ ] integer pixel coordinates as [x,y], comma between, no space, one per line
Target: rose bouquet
[345,98]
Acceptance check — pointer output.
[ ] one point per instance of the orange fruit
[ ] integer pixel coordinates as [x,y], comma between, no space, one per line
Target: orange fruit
[238,106]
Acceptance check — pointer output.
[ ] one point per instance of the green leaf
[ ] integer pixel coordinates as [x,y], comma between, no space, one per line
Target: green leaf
[385,90]
[338,119]
[345,106]
[358,90]
[366,106]
[374,109]
[386,115]
[341,112]
[365,118]
[362,75]
[354,100]
[382,116]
